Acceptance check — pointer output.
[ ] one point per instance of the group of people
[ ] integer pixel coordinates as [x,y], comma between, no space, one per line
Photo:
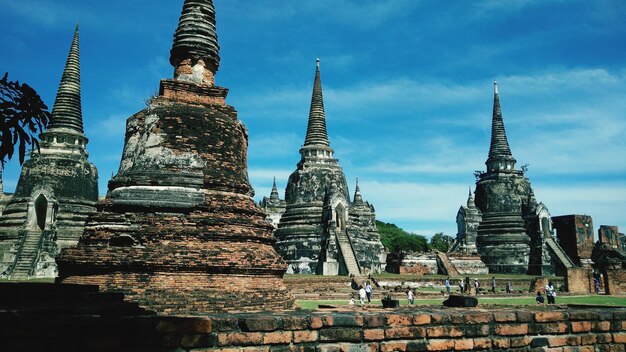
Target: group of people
[550,293]
[477,287]
[365,294]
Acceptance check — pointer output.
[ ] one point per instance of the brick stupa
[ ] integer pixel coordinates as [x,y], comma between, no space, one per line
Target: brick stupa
[178,231]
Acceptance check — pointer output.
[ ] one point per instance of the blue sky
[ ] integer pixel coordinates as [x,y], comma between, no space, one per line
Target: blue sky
[408,89]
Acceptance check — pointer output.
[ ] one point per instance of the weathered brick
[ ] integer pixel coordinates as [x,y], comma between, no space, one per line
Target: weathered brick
[184,325]
[347,320]
[421,319]
[277,337]
[482,343]
[549,316]
[577,315]
[522,341]
[316,322]
[444,331]
[374,321]
[258,324]
[557,341]
[239,338]
[502,317]
[509,329]
[341,334]
[463,344]
[305,336]
[373,334]
[404,332]
[540,341]
[604,338]
[439,318]
[525,316]
[392,346]
[440,344]
[581,326]
[573,340]
[399,320]
[476,330]
[295,322]
[601,326]
[478,318]
[501,342]
[619,337]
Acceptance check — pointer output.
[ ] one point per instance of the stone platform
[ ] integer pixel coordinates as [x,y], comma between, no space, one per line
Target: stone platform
[554,328]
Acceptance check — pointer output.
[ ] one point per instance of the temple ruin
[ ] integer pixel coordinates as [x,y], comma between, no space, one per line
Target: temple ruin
[178,231]
[322,230]
[514,232]
[57,189]
[273,206]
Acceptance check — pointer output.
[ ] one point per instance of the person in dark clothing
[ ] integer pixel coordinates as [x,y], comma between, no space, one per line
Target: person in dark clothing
[540,299]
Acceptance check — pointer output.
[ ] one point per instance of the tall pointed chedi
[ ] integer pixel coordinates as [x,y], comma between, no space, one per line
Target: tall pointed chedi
[322,231]
[505,198]
[178,231]
[57,189]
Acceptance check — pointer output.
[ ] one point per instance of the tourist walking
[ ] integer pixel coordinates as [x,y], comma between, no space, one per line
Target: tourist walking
[409,296]
[539,299]
[362,295]
[493,284]
[550,292]
[368,292]
[461,286]
[509,287]
[447,284]
[477,286]
[596,284]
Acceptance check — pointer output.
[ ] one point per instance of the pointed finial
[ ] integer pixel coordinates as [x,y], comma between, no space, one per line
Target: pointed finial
[76,28]
[357,184]
[470,192]
[495,87]
[67,111]
[317,63]
[316,133]
[274,193]
[358,199]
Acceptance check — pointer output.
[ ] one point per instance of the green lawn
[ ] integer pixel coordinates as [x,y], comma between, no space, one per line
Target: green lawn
[504,301]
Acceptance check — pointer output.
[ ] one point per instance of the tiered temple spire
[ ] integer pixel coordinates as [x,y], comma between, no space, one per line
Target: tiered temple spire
[274,195]
[358,198]
[316,133]
[196,37]
[67,111]
[500,157]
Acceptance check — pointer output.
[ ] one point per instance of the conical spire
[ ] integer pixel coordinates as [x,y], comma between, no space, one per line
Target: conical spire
[470,199]
[500,156]
[358,199]
[67,112]
[196,37]
[316,133]
[274,194]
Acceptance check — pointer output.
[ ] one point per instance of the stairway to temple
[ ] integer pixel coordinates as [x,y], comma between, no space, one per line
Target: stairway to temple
[560,253]
[348,254]
[444,262]
[26,255]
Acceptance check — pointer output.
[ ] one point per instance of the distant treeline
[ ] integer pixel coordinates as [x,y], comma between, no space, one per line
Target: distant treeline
[398,241]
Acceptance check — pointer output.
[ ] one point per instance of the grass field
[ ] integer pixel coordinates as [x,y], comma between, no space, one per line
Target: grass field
[504,301]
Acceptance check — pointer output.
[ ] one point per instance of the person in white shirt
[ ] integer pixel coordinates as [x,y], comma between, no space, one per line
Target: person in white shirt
[368,292]
[362,295]
[409,295]
[550,292]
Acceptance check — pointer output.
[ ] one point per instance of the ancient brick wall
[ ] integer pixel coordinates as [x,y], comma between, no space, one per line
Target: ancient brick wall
[579,280]
[609,235]
[575,234]
[460,329]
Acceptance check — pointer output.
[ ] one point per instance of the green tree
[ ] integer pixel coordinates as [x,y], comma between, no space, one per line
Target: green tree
[24,116]
[441,242]
[398,241]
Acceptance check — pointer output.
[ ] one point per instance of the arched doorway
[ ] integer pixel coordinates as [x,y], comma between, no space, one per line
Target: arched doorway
[41,210]
[340,217]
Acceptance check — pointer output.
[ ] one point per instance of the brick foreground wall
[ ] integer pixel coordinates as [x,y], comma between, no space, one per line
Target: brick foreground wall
[418,329]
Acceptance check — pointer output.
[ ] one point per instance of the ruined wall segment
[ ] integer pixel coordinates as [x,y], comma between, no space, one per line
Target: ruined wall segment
[576,236]
[178,231]
[57,189]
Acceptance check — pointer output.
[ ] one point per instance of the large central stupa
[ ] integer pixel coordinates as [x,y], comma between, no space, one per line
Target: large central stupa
[179,231]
